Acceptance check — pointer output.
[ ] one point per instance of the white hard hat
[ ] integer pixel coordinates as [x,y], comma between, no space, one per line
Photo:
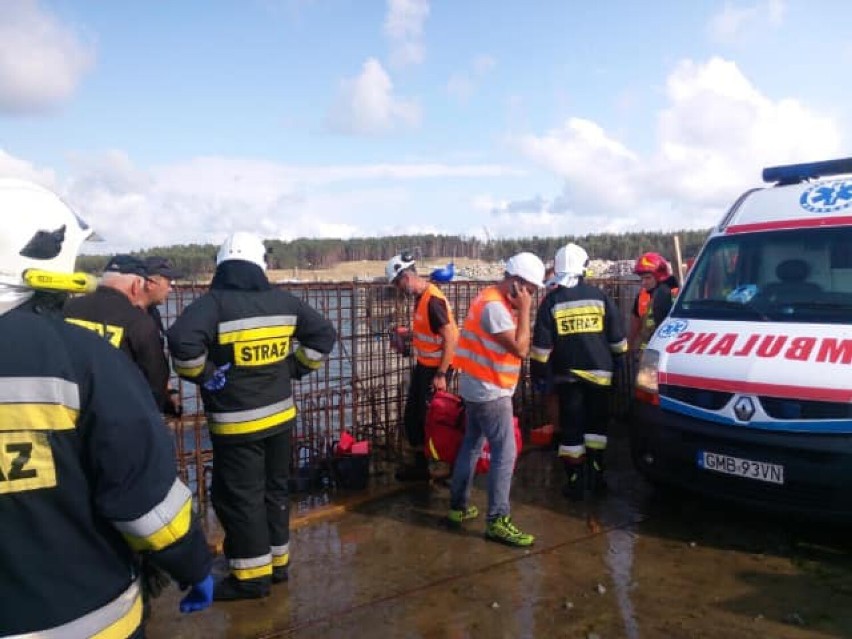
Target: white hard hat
[245,246]
[39,231]
[571,260]
[528,267]
[397,264]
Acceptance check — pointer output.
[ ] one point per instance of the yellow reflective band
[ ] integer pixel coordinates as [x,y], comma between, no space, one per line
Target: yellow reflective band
[252,573]
[126,625]
[281,560]
[539,356]
[252,425]
[433,450]
[194,371]
[304,359]
[600,380]
[254,334]
[595,445]
[18,417]
[167,535]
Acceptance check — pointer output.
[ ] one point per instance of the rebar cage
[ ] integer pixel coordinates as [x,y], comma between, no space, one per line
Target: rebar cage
[363,385]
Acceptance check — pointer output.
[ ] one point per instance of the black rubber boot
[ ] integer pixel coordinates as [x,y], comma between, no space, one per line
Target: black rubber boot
[595,471]
[232,589]
[419,471]
[574,489]
[280,574]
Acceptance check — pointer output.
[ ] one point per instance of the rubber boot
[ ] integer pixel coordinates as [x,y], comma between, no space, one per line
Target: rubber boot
[574,488]
[419,471]
[280,574]
[595,471]
[232,589]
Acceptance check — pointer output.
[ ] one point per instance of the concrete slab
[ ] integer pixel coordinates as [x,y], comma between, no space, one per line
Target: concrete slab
[626,565]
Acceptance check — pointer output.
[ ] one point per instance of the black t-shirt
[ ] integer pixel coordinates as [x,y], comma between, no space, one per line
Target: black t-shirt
[439,316]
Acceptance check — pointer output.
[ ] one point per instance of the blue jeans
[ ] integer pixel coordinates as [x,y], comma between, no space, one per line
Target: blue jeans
[492,421]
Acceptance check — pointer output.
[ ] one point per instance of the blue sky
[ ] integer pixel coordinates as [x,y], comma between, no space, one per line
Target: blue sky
[181,122]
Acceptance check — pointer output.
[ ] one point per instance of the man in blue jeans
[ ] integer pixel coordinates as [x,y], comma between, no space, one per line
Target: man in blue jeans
[494,339]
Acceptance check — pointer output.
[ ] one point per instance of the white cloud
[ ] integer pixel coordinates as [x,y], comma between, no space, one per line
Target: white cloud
[463,84]
[713,138]
[367,105]
[42,61]
[734,21]
[206,198]
[404,29]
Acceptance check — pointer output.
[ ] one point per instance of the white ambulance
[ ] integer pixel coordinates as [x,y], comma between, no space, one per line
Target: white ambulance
[745,390]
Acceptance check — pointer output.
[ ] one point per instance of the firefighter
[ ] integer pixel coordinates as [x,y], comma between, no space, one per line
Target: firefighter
[433,342]
[237,342]
[655,298]
[577,333]
[87,471]
[495,337]
[117,312]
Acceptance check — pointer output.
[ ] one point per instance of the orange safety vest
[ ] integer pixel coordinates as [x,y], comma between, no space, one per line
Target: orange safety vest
[478,355]
[646,314]
[428,346]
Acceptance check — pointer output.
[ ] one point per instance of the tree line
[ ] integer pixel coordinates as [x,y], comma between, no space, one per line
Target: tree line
[309,253]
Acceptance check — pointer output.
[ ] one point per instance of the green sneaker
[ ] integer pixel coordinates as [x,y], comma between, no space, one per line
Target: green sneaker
[503,530]
[458,517]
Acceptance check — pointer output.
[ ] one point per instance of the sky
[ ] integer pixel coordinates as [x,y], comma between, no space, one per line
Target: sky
[181,122]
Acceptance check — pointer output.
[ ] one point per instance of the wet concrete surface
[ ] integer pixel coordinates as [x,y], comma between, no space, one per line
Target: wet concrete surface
[634,563]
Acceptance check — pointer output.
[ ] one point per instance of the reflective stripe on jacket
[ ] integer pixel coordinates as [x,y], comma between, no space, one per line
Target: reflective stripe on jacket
[478,354]
[428,346]
[269,337]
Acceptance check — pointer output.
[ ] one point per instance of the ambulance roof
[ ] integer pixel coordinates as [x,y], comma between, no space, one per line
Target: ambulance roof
[803,196]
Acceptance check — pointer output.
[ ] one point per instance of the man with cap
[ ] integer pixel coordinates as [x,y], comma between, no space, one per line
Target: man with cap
[494,340]
[433,343]
[116,312]
[578,332]
[158,286]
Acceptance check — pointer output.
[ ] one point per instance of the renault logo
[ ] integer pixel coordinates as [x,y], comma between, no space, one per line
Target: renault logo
[744,409]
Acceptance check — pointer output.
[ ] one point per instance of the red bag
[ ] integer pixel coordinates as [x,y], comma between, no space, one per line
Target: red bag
[445,431]
[483,464]
[444,427]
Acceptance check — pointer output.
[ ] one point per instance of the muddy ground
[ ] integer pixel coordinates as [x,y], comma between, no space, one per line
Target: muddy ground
[635,563]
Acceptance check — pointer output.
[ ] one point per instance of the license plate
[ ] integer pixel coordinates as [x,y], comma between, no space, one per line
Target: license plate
[750,469]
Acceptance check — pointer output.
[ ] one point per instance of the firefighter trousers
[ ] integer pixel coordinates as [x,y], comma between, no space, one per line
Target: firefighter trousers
[251,498]
[584,413]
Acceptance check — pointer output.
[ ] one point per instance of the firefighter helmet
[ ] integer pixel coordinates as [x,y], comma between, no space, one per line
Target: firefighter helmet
[40,232]
[652,263]
[244,246]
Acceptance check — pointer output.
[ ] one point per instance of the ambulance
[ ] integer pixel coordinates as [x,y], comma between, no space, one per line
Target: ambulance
[745,390]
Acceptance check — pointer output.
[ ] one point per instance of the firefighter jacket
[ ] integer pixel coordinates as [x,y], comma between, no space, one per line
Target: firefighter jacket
[132,330]
[428,346]
[578,330]
[478,354]
[267,335]
[87,477]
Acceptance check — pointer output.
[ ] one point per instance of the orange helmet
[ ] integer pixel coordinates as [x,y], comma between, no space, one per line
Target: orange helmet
[652,263]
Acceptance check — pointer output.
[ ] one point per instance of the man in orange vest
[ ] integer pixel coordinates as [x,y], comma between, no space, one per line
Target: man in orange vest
[433,342]
[655,299]
[494,340]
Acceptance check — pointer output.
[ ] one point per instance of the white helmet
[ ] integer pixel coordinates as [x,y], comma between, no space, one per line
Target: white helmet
[528,267]
[245,246]
[571,260]
[39,231]
[397,264]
